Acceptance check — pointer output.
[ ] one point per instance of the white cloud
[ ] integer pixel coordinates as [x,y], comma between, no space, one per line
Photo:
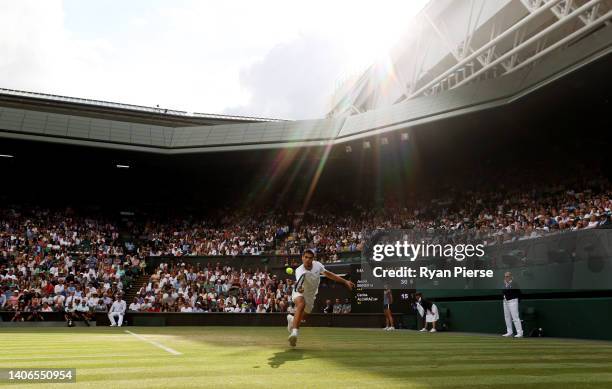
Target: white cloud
[270,58]
[294,80]
[35,48]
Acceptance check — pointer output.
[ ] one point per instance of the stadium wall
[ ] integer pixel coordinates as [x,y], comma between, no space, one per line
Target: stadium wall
[253,319]
[585,318]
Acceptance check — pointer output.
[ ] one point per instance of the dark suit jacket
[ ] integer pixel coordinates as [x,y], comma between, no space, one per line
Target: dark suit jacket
[512,291]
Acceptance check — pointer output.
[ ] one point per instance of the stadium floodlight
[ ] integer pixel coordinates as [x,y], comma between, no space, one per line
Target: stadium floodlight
[348,149]
[122,166]
[366,144]
[384,141]
[6,156]
[405,137]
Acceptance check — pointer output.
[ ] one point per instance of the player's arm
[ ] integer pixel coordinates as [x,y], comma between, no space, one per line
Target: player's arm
[338,279]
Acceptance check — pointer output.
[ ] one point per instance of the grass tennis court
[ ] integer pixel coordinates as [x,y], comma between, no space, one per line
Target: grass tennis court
[256,357]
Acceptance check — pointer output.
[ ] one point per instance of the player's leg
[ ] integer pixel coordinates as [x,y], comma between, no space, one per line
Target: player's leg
[290,316]
[514,312]
[120,320]
[304,305]
[300,306]
[507,318]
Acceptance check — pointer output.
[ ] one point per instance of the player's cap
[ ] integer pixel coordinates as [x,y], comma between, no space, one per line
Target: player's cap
[311,251]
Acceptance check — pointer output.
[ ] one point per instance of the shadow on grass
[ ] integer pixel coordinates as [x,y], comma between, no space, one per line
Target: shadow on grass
[412,357]
[279,358]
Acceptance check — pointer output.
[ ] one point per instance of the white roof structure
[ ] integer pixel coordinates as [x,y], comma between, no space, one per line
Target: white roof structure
[458,57]
[454,43]
[129,107]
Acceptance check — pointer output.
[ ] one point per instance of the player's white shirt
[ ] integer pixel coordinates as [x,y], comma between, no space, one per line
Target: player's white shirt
[309,279]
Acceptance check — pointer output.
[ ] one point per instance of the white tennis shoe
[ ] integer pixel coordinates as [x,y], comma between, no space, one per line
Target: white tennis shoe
[292,340]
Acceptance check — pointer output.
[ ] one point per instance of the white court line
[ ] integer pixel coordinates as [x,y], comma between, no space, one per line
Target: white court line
[64,356]
[154,343]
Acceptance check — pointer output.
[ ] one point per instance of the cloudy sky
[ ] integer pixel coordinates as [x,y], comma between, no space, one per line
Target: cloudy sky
[271,58]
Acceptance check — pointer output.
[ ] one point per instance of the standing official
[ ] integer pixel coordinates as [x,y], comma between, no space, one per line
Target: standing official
[117,310]
[512,293]
[387,301]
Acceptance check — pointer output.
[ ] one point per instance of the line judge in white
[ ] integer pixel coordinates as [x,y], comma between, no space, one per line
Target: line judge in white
[308,277]
[117,310]
[512,294]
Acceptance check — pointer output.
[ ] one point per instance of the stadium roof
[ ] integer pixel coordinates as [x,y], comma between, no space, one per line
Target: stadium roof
[453,43]
[74,121]
[90,106]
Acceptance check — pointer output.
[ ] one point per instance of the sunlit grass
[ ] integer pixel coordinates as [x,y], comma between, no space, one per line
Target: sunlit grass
[259,357]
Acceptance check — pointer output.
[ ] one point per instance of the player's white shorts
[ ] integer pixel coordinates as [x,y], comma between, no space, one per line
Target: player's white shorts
[309,299]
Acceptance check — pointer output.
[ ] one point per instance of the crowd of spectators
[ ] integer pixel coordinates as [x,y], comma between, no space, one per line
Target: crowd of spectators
[501,213]
[181,287]
[50,259]
[60,262]
[337,308]
[231,235]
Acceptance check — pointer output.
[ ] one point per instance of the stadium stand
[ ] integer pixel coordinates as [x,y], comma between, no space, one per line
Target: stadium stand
[51,258]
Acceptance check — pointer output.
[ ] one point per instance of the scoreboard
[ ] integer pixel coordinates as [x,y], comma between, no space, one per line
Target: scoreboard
[365,299]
